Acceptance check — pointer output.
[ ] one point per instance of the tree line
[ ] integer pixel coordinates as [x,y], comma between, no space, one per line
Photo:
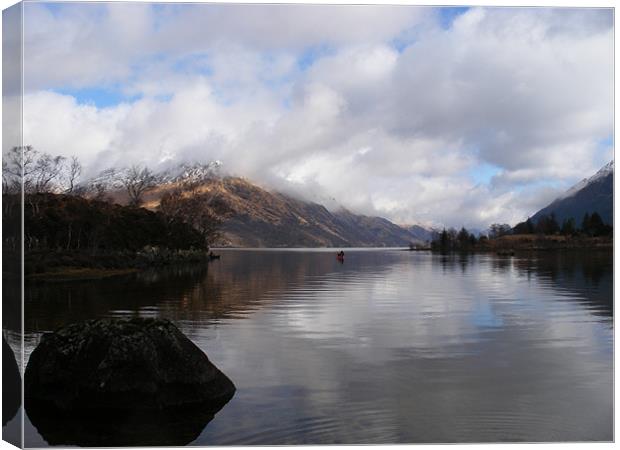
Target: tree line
[591,225]
[39,172]
[450,239]
[453,240]
[62,222]
[60,213]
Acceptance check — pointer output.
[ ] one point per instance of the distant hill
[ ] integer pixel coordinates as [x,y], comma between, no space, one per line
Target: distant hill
[421,233]
[258,217]
[594,194]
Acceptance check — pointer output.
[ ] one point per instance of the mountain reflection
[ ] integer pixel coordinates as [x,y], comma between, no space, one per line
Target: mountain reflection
[230,288]
[587,274]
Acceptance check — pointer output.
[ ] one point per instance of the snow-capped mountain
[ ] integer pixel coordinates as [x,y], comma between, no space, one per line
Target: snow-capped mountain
[111,179]
[602,173]
[594,194]
[196,172]
[108,179]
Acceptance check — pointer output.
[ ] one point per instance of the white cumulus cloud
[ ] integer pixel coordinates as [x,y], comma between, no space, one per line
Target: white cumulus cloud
[382,108]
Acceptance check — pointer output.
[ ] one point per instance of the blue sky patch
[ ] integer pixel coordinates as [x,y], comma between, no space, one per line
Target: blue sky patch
[448,14]
[484,172]
[99,97]
[605,150]
[194,64]
[402,41]
[55,8]
[309,56]
[607,142]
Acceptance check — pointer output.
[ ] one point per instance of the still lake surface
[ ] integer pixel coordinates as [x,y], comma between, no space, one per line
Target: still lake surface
[388,347]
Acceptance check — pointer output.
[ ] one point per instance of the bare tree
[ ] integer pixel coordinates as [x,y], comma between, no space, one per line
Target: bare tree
[172,205]
[499,229]
[100,192]
[202,217]
[38,172]
[80,190]
[19,167]
[46,172]
[204,211]
[74,170]
[191,185]
[7,179]
[137,181]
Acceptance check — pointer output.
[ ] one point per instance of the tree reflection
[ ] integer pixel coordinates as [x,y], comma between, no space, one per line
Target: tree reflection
[587,273]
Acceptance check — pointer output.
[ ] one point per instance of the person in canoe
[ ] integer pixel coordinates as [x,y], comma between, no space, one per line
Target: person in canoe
[213,256]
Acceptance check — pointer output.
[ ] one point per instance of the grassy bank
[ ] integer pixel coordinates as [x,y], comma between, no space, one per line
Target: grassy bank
[64,265]
[78,274]
[524,243]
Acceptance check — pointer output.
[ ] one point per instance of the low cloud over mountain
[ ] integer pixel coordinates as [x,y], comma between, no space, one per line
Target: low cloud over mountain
[418,114]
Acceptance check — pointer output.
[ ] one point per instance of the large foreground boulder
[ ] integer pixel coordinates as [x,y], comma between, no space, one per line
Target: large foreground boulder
[122,376]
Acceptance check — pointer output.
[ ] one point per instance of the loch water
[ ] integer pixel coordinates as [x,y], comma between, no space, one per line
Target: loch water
[387,346]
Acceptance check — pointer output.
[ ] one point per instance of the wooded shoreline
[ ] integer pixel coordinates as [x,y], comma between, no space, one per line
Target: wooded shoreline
[521,243]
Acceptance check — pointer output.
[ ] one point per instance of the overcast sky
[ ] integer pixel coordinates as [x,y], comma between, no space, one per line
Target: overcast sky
[449,116]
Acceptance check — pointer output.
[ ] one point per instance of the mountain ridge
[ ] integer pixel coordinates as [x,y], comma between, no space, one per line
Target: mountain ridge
[259,217]
[593,194]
